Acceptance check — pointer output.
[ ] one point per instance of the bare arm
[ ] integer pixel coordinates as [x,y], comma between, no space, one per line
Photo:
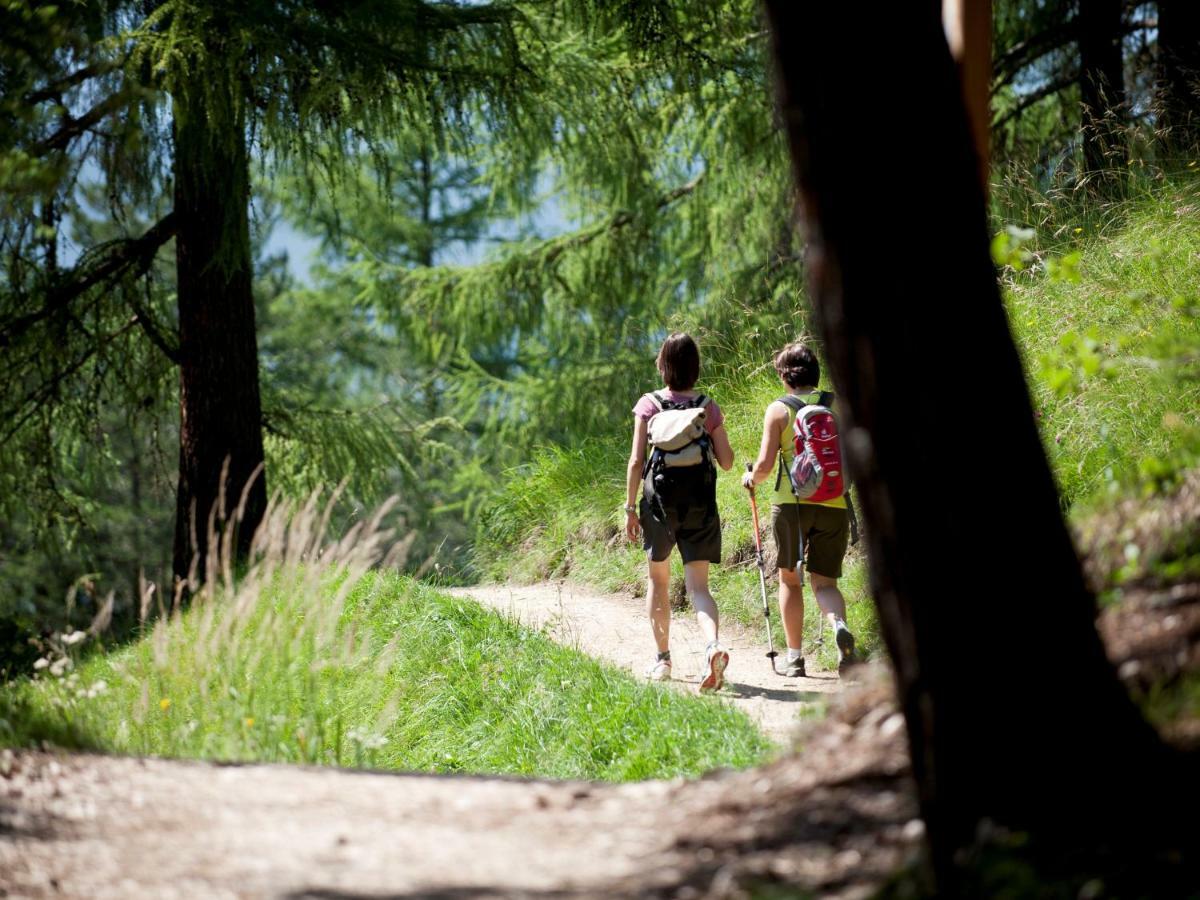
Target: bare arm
[720,445]
[633,476]
[774,421]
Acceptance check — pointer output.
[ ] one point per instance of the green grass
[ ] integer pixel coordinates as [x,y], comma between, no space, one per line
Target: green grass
[1106,316]
[1109,325]
[381,672]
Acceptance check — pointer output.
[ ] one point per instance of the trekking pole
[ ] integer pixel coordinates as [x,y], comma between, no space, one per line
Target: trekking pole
[762,577]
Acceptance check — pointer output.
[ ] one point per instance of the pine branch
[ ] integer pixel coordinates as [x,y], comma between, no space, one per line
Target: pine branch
[623,218]
[132,255]
[74,127]
[1047,90]
[148,325]
[1009,64]
[55,91]
[46,391]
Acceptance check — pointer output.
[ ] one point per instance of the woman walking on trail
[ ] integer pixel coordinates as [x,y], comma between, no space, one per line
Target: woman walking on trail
[677,434]
[808,534]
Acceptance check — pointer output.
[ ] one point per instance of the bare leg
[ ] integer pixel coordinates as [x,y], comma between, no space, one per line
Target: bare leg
[695,578]
[829,597]
[791,606]
[658,603]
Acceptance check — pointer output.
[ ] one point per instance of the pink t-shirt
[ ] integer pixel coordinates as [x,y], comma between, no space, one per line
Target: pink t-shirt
[645,408]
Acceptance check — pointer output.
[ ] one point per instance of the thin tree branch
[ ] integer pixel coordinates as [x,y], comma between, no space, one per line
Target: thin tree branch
[1046,90]
[1009,64]
[74,127]
[55,91]
[620,220]
[148,324]
[129,255]
[1023,53]
[37,400]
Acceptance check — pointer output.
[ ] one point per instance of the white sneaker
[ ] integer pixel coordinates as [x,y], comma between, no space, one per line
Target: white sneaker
[660,670]
[717,658]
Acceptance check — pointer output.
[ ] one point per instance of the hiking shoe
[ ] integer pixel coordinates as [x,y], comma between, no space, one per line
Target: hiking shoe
[717,658]
[660,670]
[847,658]
[795,668]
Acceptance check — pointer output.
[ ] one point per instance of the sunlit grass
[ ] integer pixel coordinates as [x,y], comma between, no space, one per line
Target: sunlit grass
[314,657]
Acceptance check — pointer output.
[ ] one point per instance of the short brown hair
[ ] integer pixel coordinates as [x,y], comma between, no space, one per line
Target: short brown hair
[679,362]
[797,366]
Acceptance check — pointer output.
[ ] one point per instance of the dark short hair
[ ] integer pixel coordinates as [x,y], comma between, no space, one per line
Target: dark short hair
[679,362]
[798,366]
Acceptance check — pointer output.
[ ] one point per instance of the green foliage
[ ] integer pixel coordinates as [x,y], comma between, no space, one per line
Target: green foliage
[397,677]
[1108,323]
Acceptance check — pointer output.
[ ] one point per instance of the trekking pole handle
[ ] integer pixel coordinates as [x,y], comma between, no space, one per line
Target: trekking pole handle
[754,514]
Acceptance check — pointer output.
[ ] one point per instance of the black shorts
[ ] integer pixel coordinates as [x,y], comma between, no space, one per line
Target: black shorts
[695,528]
[826,532]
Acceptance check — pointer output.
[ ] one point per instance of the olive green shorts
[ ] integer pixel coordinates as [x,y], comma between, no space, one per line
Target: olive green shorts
[826,533]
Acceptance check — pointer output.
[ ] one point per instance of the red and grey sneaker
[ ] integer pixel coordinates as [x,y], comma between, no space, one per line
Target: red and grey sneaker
[716,660]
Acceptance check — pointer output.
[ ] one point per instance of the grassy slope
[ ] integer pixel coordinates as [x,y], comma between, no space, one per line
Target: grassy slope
[1108,348]
[399,677]
[1108,407]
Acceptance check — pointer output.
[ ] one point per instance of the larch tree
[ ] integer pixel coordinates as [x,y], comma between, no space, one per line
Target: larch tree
[179,100]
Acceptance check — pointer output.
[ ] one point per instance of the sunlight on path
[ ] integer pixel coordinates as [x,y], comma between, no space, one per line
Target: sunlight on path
[614,628]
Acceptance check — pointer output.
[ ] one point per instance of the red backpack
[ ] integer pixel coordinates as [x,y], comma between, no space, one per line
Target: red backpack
[816,472]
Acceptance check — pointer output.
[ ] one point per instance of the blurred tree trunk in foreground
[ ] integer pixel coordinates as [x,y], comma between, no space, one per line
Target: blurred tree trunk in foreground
[967,545]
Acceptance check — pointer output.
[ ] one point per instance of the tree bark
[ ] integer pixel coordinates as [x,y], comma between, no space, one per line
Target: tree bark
[966,542]
[220,408]
[1101,88]
[1179,73]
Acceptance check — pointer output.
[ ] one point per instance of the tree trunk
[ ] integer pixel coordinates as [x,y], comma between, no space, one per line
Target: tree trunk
[1101,88]
[1179,73]
[968,550]
[220,409]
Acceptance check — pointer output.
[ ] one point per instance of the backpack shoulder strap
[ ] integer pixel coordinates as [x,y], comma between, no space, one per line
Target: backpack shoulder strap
[826,398]
[701,401]
[658,399]
[795,404]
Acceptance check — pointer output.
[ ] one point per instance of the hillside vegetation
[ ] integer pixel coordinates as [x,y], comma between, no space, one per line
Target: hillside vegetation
[1106,314]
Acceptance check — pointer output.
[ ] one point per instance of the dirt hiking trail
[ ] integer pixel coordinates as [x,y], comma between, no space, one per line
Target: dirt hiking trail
[836,822]
[614,628]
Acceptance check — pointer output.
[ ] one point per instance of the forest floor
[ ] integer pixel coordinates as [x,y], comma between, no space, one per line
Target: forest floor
[838,819]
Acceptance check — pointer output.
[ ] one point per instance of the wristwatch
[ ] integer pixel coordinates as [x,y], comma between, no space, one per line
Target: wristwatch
[630,509]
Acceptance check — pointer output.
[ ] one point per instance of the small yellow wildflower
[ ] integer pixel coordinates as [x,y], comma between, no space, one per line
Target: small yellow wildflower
[248,721]
[164,704]
[1078,230]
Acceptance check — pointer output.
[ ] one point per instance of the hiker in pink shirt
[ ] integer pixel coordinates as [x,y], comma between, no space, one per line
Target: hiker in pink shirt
[678,434]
